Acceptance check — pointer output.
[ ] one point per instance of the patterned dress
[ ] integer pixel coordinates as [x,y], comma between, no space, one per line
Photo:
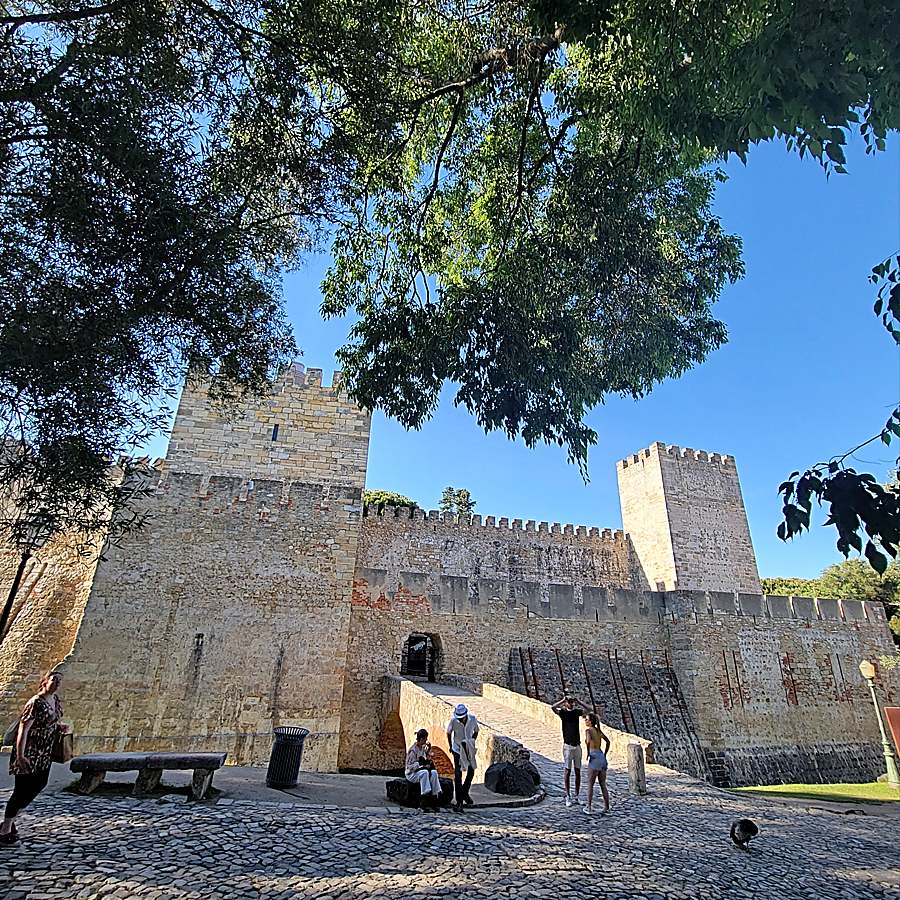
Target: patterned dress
[44,714]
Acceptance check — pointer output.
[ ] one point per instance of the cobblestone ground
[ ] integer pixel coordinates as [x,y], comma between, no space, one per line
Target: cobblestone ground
[673,843]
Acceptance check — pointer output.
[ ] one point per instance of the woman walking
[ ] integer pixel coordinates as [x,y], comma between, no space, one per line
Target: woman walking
[32,754]
[598,765]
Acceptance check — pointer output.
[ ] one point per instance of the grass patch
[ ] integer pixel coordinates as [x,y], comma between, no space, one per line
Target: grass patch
[873,791]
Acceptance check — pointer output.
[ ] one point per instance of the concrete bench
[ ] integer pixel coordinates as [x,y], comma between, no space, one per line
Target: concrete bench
[149,766]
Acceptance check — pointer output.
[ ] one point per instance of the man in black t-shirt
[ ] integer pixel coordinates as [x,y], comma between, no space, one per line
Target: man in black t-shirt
[571,711]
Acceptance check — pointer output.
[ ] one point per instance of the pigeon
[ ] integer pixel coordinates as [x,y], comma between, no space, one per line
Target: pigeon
[742,831]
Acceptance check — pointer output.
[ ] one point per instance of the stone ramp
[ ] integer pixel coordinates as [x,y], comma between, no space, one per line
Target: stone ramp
[635,692]
[544,741]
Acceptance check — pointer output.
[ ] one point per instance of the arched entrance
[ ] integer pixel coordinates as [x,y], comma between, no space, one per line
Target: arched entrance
[418,659]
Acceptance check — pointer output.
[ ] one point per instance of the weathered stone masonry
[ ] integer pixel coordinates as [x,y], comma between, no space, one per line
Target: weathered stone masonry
[262,593]
[229,613]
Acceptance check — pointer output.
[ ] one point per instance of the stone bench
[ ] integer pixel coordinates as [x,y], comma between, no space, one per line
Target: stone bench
[149,766]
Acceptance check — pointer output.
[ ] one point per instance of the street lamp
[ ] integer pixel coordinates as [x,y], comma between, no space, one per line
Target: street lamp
[33,533]
[867,670]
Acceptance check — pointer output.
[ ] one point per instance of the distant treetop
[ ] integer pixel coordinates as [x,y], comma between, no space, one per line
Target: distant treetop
[387,498]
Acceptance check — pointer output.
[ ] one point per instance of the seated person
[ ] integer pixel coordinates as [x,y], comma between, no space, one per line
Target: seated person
[420,770]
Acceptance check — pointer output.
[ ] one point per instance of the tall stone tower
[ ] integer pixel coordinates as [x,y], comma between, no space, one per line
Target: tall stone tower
[684,511]
[228,613]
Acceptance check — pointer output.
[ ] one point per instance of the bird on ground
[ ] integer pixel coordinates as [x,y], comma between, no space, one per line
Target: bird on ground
[742,831]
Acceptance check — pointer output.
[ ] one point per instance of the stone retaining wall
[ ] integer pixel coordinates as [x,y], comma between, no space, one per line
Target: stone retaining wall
[417,708]
[535,709]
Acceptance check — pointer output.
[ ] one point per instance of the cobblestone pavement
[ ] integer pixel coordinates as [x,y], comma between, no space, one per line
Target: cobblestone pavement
[673,843]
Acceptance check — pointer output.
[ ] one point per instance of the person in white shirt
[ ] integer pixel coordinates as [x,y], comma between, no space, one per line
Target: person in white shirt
[420,770]
[462,732]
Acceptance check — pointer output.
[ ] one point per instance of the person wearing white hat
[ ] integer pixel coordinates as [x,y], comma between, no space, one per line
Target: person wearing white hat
[462,732]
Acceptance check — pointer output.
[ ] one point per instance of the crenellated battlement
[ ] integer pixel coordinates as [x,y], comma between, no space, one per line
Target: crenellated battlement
[658,448]
[145,465]
[698,605]
[300,429]
[435,518]
[298,376]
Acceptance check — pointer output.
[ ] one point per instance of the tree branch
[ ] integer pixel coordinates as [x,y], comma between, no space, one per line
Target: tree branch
[520,162]
[498,59]
[62,17]
[552,143]
[46,82]
[438,162]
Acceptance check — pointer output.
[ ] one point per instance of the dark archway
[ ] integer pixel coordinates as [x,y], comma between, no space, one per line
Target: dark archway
[418,659]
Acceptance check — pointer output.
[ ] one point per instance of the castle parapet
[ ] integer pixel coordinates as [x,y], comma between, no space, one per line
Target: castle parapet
[404,517]
[684,511]
[300,429]
[658,448]
[697,605]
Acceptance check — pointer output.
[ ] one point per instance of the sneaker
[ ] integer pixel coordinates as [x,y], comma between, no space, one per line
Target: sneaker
[468,801]
[588,811]
[568,801]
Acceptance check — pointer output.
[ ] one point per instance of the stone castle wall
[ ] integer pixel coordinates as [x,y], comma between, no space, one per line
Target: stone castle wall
[261,593]
[228,614]
[574,598]
[774,687]
[45,618]
[684,511]
[476,585]
[321,437]
[710,687]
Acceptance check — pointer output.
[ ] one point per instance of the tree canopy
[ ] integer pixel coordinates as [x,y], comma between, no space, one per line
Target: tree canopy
[852,579]
[517,196]
[379,498]
[457,501]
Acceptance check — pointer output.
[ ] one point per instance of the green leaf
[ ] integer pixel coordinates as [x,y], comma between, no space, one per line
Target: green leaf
[876,559]
[835,153]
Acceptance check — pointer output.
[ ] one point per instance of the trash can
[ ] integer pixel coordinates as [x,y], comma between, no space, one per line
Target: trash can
[287,751]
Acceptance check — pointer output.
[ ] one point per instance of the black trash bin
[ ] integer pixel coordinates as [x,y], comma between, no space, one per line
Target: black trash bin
[287,752]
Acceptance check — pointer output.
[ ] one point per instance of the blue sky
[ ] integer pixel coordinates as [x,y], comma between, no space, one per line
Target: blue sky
[808,371]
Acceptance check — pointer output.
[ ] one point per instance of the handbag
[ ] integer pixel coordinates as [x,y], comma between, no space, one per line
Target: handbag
[9,736]
[63,747]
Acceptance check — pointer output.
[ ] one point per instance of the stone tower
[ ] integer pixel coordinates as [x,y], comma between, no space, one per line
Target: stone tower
[684,511]
[228,613]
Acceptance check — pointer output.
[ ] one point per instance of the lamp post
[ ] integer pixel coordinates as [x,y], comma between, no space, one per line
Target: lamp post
[35,533]
[867,670]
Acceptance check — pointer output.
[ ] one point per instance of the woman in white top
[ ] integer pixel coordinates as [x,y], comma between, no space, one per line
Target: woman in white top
[420,770]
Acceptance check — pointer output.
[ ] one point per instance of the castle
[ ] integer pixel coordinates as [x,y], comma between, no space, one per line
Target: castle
[262,593]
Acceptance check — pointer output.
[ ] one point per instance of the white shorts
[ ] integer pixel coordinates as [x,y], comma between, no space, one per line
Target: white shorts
[571,756]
